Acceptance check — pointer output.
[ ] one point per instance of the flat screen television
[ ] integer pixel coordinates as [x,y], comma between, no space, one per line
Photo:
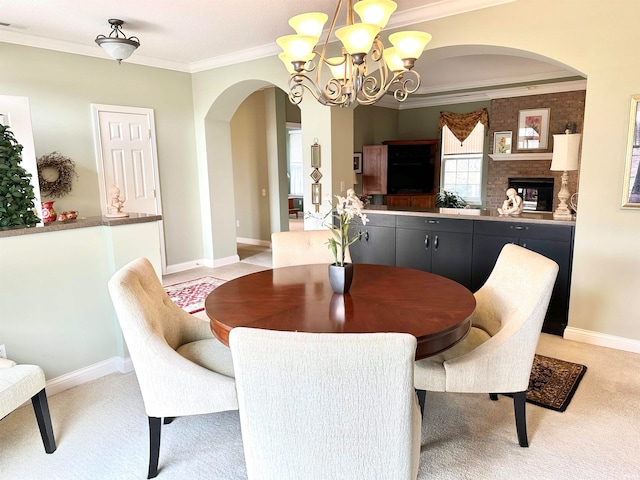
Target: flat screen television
[409,170]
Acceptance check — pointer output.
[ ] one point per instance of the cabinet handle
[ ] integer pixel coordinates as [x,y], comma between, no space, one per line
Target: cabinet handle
[366,235]
[435,242]
[431,221]
[426,242]
[518,227]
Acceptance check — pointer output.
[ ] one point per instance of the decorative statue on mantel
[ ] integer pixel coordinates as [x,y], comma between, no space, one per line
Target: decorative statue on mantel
[114,208]
[512,205]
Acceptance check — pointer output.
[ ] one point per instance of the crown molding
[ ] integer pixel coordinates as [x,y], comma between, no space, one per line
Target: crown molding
[86,50]
[441,9]
[482,95]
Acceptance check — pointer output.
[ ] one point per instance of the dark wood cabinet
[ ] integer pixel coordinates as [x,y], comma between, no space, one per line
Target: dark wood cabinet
[427,200]
[377,243]
[403,167]
[437,245]
[552,241]
[374,169]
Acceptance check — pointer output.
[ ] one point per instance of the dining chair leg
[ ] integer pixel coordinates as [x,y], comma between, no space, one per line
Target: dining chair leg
[41,409]
[519,403]
[155,424]
[168,420]
[421,399]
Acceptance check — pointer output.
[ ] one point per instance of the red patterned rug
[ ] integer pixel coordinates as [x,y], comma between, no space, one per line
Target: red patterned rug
[190,295]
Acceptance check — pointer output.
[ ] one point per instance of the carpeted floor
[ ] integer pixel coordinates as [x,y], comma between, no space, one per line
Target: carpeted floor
[101,430]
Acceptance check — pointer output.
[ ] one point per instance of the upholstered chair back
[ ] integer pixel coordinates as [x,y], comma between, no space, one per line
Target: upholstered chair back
[316,405]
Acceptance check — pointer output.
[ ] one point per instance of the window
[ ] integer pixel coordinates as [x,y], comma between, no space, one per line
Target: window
[294,153]
[462,164]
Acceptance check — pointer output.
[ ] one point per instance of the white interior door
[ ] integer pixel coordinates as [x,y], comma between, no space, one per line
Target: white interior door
[125,148]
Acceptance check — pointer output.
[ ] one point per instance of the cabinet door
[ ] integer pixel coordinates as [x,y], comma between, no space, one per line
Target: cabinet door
[399,200]
[376,245]
[423,201]
[374,169]
[451,256]
[413,248]
[560,252]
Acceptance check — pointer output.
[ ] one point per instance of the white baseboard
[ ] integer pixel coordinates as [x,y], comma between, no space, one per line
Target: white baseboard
[602,339]
[253,241]
[221,262]
[86,374]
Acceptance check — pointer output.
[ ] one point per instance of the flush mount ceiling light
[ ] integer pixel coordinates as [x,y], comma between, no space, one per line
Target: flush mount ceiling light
[117,45]
[366,71]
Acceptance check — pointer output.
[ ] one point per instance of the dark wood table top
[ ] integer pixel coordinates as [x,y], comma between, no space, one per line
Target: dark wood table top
[432,308]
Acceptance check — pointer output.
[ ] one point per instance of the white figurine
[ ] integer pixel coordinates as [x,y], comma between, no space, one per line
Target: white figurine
[512,205]
[114,208]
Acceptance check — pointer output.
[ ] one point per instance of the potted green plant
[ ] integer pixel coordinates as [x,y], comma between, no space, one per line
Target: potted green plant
[16,191]
[445,199]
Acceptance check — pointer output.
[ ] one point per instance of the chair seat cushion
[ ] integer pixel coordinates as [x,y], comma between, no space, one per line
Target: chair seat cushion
[429,373]
[210,354]
[17,385]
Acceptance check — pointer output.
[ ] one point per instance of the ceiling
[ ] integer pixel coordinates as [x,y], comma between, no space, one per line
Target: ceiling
[195,35]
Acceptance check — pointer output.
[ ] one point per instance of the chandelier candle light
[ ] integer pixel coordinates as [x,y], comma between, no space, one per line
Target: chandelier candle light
[565,158]
[366,71]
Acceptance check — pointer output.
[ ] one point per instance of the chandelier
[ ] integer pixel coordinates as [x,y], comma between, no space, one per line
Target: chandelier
[366,71]
[117,45]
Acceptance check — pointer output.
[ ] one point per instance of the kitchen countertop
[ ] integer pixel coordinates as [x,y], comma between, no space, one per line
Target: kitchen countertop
[469,213]
[81,222]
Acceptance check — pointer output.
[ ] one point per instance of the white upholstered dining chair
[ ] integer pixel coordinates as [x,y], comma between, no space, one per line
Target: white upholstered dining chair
[302,247]
[323,406]
[181,368]
[497,354]
[19,383]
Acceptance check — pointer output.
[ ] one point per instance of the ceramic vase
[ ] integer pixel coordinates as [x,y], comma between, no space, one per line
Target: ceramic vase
[48,213]
[341,277]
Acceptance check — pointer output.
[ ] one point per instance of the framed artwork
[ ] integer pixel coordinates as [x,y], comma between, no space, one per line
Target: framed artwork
[357,162]
[533,129]
[631,191]
[502,142]
[316,193]
[315,156]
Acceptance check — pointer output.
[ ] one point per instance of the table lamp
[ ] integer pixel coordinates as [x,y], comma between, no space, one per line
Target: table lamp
[565,158]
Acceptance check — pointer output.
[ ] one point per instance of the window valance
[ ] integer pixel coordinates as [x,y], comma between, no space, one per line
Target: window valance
[462,124]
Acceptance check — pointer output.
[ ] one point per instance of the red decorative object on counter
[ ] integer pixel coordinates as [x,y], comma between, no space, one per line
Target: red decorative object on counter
[48,213]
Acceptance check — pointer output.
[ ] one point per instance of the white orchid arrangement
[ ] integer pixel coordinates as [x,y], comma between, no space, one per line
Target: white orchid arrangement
[346,209]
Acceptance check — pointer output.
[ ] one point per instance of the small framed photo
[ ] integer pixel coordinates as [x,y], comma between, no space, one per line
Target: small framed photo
[357,162]
[533,129]
[316,193]
[502,142]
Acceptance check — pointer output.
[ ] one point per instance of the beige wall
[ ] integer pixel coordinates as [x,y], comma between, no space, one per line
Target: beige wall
[250,177]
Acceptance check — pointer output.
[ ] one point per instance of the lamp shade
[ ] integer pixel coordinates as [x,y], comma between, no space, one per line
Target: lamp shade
[410,44]
[309,23]
[565,152]
[392,59]
[376,12]
[358,38]
[298,47]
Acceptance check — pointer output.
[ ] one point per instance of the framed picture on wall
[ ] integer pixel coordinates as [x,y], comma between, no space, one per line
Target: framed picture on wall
[502,142]
[533,129]
[631,192]
[316,193]
[357,162]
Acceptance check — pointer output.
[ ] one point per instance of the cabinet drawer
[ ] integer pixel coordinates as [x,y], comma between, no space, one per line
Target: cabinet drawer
[434,223]
[377,220]
[524,230]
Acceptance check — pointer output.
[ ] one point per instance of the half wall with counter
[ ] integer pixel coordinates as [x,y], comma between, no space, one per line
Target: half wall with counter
[56,310]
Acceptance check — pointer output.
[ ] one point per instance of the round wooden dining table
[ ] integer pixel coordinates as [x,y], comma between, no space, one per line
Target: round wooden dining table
[382,298]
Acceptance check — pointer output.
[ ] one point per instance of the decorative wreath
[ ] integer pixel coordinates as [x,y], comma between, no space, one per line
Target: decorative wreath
[66,169]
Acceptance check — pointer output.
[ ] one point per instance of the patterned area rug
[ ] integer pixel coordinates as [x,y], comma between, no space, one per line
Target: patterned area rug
[553,382]
[190,295]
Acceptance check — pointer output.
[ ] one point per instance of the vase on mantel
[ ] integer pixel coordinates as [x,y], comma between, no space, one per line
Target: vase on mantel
[48,213]
[340,277]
